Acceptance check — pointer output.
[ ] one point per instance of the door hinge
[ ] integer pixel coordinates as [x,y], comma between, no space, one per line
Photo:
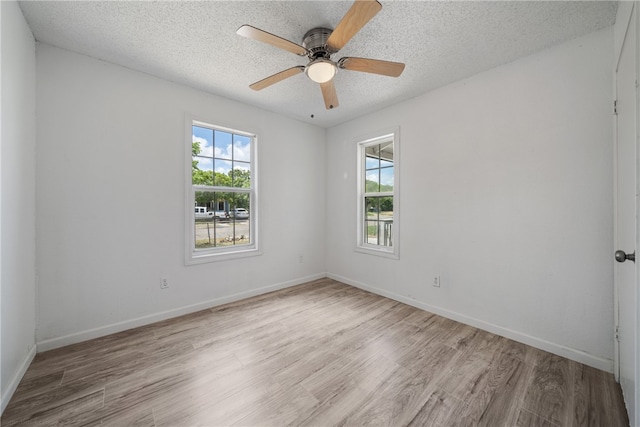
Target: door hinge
[615,107]
[617,335]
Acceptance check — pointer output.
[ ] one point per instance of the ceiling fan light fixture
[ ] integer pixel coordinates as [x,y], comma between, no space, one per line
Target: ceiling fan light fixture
[321,70]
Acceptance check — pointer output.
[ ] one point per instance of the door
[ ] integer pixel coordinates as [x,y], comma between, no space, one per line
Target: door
[626,219]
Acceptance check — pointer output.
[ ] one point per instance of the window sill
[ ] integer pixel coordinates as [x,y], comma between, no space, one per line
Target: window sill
[377,252]
[203,257]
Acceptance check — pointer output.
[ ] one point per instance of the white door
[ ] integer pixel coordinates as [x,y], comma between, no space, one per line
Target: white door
[626,272]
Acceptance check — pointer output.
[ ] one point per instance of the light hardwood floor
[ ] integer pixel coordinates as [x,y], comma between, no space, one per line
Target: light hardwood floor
[321,353]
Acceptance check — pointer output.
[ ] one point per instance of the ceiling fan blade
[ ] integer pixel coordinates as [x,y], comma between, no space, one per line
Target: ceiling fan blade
[259,85]
[375,66]
[329,95]
[262,36]
[357,17]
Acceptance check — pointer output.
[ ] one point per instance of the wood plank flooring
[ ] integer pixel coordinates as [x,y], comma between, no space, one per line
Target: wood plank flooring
[321,353]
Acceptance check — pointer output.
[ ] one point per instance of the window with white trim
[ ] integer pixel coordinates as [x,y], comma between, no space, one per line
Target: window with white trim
[221,193]
[378,195]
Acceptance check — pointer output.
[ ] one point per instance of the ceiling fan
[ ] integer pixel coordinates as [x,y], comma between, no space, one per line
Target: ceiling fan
[318,44]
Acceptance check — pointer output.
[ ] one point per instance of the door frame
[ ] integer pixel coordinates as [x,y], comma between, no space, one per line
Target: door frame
[623,20]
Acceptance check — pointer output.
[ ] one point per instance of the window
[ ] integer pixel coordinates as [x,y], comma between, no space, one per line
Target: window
[378,195]
[221,193]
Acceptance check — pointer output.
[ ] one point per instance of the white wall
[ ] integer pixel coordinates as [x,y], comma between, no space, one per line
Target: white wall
[506,194]
[17,154]
[111,199]
[506,185]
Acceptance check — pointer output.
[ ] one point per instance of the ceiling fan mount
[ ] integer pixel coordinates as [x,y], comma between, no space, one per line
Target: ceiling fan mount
[315,41]
[318,44]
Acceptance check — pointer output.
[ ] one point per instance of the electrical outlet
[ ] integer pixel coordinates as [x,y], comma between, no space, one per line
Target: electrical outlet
[436,281]
[164,283]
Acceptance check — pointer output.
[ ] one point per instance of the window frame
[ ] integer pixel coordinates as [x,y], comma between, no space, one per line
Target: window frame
[220,253]
[362,143]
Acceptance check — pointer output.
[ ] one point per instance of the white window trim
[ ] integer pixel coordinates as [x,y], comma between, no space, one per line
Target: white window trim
[361,143]
[193,257]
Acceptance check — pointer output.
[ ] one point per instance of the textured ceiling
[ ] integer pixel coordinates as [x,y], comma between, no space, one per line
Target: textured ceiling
[195,43]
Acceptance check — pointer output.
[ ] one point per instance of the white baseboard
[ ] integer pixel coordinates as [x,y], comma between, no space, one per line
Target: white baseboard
[558,349]
[157,317]
[13,385]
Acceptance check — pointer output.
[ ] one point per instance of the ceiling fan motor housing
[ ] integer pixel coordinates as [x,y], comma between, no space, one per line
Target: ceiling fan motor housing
[315,41]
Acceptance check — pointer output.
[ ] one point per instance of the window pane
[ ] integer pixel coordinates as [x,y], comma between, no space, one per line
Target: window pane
[241,148]
[223,173]
[386,207]
[242,201]
[372,181]
[386,154]
[386,235]
[201,171]
[202,143]
[223,145]
[204,234]
[371,157]
[240,217]
[371,163]
[201,152]
[224,233]
[371,232]
[241,175]
[386,221]
[386,179]
[371,207]
[203,200]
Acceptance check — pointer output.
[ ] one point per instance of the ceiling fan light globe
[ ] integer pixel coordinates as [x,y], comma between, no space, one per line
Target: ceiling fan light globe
[321,71]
